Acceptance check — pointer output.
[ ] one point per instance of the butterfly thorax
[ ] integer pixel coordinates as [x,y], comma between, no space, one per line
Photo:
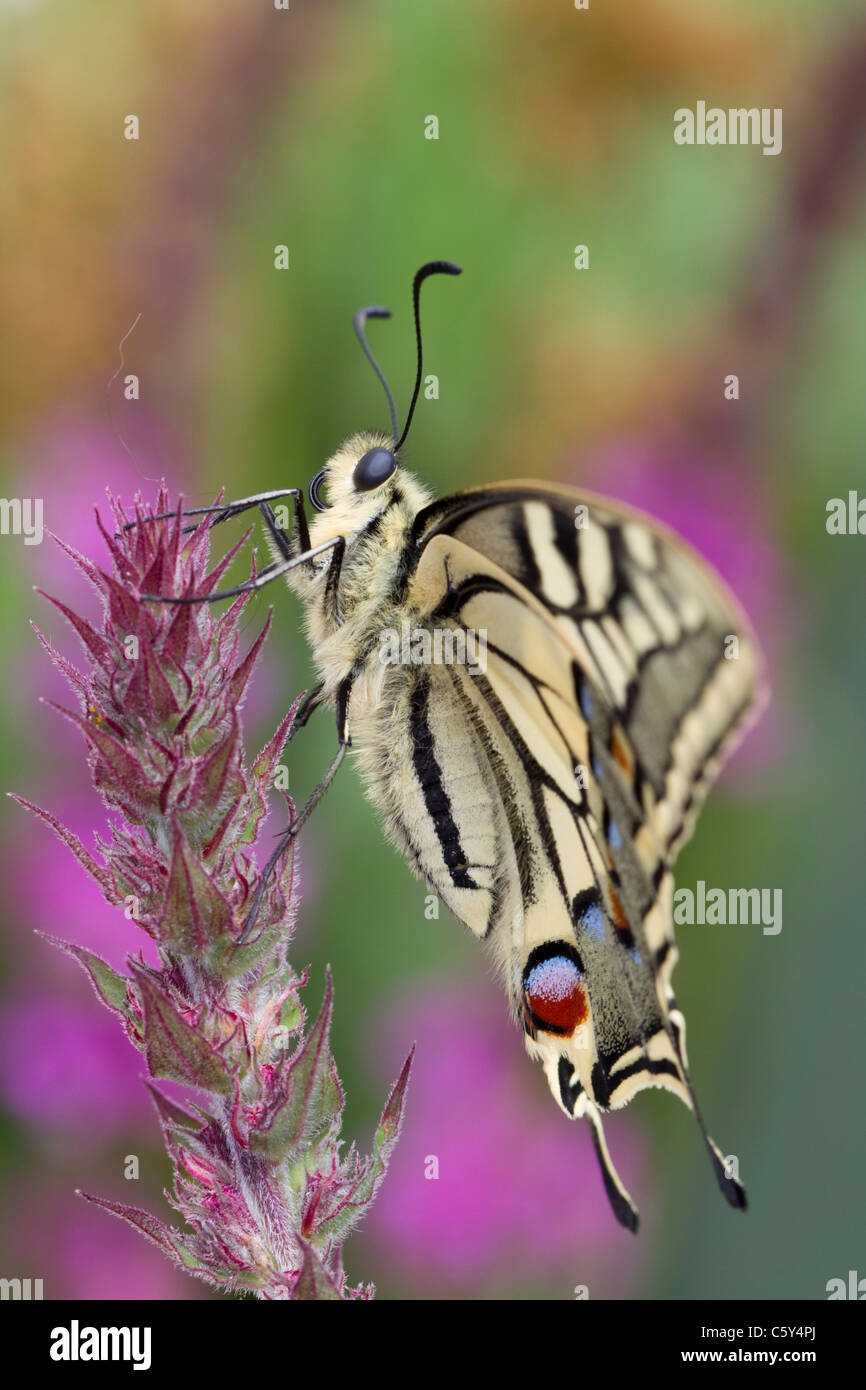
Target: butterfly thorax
[345,621]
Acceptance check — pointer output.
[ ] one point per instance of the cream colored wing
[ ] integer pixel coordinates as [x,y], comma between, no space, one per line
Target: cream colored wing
[651,625]
[543,794]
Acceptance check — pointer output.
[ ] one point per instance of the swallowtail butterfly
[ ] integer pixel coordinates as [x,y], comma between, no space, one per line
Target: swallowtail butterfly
[542,794]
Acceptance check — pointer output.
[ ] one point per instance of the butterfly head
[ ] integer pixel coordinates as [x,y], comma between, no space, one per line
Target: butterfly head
[357,483]
[374,468]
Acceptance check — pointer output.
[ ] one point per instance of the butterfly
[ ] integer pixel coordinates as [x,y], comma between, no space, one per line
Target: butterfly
[538,686]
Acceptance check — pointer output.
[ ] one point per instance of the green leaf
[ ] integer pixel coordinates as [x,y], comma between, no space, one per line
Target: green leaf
[314,1281]
[196,918]
[173,1048]
[143,1221]
[85,859]
[109,986]
[357,1198]
[217,780]
[260,948]
[172,1116]
[310,1096]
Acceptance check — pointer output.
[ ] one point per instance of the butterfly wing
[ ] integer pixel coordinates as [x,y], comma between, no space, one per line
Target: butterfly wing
[649,619]
[555,779]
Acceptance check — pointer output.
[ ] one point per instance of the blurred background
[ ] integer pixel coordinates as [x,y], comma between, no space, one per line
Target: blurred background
[308,128]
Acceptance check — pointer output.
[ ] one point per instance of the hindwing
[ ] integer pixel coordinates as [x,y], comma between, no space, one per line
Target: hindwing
[554,783]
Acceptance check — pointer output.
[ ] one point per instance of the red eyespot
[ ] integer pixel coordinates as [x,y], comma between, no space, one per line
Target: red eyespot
[555,994]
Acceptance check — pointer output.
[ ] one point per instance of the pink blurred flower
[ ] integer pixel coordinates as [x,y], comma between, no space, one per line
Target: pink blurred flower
[70,1065]
[49,891]
[69,463]
[267,1196]
[78,1258]
[518,1193]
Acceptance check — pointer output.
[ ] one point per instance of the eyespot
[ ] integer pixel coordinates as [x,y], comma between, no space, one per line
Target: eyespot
[374,469]
[554,990]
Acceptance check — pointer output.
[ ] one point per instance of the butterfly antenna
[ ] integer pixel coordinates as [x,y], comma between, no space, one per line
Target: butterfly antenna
[374,312]
[431,268]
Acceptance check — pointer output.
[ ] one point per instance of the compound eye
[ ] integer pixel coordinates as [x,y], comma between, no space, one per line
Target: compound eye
[554,991]
[374,469]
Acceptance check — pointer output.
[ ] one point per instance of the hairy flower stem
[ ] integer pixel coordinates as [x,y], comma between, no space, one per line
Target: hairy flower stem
[259,1177]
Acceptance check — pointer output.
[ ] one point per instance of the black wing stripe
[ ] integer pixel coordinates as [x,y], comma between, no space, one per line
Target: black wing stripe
[537,779]
[655,1066]
[436,798]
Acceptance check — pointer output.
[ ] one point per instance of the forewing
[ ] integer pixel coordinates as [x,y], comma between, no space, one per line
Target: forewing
[667,647]
[542,836]
[618,670]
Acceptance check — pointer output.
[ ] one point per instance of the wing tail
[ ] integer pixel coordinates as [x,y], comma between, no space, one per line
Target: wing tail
[621,1203]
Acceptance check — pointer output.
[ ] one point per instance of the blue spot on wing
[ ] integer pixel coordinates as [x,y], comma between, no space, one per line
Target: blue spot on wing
[553,979]
[614,837]
[592,922]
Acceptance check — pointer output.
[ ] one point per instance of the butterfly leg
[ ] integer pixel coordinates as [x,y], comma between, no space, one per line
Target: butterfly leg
[282,542]
[266,576]
[300,539]
[332,585]
[307,708]
[223,511]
